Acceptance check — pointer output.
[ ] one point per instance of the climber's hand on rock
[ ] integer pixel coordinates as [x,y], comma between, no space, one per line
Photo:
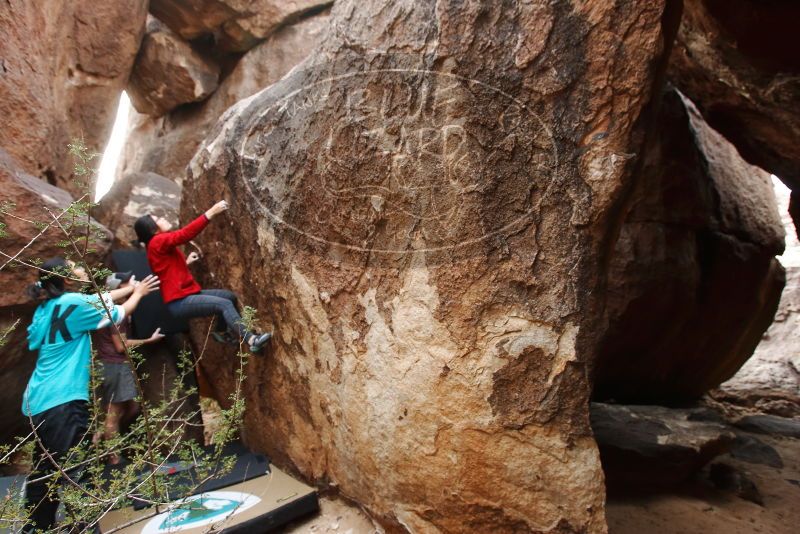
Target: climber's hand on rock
[217,208]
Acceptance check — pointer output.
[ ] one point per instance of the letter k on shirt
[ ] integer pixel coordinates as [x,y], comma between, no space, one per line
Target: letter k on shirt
[60,331]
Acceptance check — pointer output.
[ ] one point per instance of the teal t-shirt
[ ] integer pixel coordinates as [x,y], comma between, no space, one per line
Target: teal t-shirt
[60,331]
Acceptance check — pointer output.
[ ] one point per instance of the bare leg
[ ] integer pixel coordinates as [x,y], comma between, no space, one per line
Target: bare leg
[113,417]
[131,411]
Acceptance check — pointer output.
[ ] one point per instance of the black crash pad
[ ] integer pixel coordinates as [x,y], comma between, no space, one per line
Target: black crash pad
[254,497]
[183,476]
[257,505]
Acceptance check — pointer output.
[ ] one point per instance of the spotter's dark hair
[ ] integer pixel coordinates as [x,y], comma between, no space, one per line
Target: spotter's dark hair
[51,280]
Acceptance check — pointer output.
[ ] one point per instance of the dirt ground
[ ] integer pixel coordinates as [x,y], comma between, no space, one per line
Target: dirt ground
[335,517]
[702,509]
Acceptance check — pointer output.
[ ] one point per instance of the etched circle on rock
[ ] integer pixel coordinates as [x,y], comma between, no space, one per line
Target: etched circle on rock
[396,160]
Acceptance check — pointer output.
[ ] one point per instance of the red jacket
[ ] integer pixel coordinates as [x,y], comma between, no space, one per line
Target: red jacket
[169,263]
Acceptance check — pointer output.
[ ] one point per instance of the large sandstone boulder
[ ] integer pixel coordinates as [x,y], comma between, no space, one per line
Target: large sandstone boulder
[770,380]
[134,195]
[168,72]
[424,230]
[693,281]
[32,200]
[63,65]
[237,25]
[737,60]
[165,145]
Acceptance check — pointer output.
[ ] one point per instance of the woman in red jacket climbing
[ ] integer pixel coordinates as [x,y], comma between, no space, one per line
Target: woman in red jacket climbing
[182,294]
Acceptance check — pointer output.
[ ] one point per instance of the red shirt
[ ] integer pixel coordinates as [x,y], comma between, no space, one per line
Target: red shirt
[169,263]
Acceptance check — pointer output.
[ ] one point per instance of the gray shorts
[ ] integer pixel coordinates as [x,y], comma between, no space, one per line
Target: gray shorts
[118,384]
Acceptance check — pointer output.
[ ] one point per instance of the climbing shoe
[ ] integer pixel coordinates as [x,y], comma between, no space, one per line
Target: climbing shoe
[259,341]
[225,338]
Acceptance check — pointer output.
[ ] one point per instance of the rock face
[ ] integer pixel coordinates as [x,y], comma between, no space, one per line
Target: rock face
[794,213]
[63,65]
[237,25]
[693,280]
[35,200]
[31,198]
[168,73]
[137,194]
[424,230]
[736,59]
[654,447]
[165,145]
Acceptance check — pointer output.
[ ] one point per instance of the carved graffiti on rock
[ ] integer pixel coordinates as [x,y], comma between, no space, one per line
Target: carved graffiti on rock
[400,160]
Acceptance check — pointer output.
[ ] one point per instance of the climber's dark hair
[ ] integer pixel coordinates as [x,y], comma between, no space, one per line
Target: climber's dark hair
[145,228]
[50,285]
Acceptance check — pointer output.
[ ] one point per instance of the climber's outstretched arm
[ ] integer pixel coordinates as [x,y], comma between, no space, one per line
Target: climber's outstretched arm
[191,230]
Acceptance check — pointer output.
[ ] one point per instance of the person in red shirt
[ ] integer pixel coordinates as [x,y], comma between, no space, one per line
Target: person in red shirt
[181,293]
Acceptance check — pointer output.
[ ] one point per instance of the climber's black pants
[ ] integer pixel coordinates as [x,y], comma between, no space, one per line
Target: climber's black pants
[59,429]
[218,302]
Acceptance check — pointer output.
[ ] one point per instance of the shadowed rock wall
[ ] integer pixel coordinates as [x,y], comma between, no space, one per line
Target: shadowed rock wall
[737,60]
[693,281]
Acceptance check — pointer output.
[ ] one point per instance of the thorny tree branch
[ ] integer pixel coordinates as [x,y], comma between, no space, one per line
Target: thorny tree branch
[37,236]
[153,443]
